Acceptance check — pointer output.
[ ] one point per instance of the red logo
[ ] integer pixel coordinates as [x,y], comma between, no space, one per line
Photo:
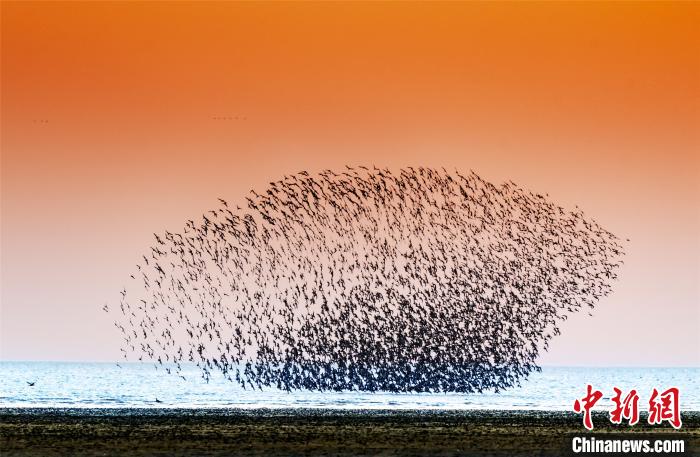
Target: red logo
[664,406]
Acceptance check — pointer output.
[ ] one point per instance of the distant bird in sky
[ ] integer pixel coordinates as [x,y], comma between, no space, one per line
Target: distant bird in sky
[31,384]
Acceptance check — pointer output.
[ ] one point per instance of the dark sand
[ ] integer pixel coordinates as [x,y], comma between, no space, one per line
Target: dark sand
[178,432]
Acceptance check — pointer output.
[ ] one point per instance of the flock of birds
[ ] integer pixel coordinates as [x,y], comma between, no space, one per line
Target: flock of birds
[421,280]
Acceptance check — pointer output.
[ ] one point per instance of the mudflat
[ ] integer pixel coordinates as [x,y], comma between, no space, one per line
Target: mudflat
[291,432]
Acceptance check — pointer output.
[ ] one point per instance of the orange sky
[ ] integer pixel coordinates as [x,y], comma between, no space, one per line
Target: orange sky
[108,135]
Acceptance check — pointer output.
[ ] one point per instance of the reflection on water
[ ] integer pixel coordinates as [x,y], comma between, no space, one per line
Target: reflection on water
[92,385]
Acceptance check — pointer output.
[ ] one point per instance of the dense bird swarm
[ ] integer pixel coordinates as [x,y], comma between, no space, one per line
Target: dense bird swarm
[416,281]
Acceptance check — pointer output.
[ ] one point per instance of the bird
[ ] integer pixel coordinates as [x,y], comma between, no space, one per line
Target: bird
[31,383]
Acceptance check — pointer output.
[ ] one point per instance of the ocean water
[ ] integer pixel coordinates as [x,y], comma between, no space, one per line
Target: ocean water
[95,385]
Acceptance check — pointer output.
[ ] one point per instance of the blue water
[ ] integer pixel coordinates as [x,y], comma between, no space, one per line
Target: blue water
[94,385]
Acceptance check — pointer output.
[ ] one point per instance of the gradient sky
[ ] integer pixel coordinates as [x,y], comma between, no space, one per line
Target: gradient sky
[108,135]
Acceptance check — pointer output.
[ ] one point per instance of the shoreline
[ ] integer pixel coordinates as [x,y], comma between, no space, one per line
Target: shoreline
[277,432]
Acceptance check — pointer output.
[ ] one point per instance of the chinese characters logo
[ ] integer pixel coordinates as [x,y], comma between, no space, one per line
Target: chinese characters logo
[664,406]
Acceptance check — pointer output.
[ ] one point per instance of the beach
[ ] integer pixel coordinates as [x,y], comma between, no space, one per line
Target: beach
[278,432]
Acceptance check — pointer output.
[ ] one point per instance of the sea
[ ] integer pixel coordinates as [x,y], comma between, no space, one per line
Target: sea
[140,385]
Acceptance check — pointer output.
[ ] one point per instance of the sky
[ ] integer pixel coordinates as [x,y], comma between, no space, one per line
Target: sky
[110,131]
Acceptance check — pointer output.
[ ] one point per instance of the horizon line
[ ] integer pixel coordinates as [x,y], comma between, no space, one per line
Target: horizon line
[133,362]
